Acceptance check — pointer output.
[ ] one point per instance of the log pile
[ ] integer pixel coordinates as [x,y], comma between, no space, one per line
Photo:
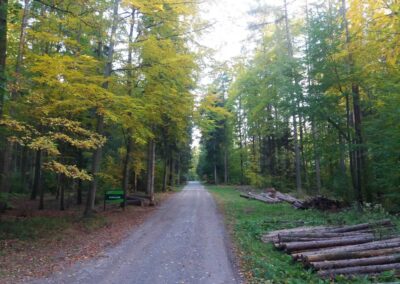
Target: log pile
[273,196]
[347,250]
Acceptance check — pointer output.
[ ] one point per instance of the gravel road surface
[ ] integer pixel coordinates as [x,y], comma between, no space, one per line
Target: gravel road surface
[184,241]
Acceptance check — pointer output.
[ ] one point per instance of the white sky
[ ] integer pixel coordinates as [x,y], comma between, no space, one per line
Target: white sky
[230,30]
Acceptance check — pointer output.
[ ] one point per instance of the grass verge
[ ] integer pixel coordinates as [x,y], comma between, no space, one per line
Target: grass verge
[248,220]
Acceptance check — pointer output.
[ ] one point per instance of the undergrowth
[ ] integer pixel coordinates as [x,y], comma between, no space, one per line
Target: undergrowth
[250,219]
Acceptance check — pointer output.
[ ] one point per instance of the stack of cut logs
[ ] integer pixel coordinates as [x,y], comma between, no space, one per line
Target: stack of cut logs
[273,196]
[348,250]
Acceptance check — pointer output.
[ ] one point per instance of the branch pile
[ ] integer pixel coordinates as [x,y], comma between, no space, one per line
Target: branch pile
[273,196]
[345,250]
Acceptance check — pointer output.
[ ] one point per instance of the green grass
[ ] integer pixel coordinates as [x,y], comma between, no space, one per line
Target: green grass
[250,219]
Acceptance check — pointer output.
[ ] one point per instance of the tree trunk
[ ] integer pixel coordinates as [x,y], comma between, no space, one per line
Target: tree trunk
[97,154]
[352,255]
[37,184]
[359,270]
[225,165]
[80,184]
[359,142]
[316,158]
[62,193]
[38,175]
[295,131]
[3,53]
[165,175]
[171,172]
[90,201]
[386,259]
[151,170]
[3,77]
[342,241]
[392,243]
[126,171]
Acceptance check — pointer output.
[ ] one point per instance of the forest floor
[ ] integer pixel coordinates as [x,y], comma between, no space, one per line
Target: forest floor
[38,243]
[248,220]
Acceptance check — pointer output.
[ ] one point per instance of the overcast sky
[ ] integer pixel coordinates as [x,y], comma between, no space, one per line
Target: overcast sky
[229,32]
[231,19]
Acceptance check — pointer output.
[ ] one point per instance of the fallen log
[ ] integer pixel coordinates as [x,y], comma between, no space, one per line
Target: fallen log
[289,239]
[389,243]
[359,270]
[273,236]
[351,255]
[321,235]
[296,246]
[325,265]
[383,223]
[260,198]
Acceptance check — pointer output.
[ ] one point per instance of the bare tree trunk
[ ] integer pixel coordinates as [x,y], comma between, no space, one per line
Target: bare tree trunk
[3,53]
[295,131]
[126,175]
[79,185]
[3,79]
[165,175]
[225,165]
[151,170]
[38,174]
[355,151]
[97,155]
[316,158]
[171,172]
[62,193]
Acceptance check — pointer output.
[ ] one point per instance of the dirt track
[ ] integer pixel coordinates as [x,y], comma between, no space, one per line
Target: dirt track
[183,242]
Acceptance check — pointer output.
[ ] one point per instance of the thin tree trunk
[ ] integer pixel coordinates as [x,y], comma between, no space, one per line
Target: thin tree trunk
[171,172]
[3,78]
[38,174]
[151,170]
[97,155]
[127,160]
[3,53]
[79,185]
[316,158]
[62,193]
[355,148]
[225,165]
[37,184]
[165,175]
[295,131]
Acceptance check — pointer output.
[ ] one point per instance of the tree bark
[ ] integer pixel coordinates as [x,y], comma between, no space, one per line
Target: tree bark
[165,175]
[151,170]
[127,163]
[391,243]
[3,77]
[386,259]
[97,154]
[297,246]
[295,131]
[3,53]
[352,255]
[359,270]
[38,175]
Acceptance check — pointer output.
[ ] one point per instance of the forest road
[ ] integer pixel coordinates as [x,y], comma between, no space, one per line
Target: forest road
[184,241]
